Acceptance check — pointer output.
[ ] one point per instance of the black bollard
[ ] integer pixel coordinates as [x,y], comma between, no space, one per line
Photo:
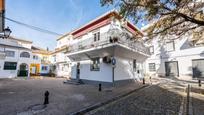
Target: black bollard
[143,80]
[46,101]
[199,83]
[99,87]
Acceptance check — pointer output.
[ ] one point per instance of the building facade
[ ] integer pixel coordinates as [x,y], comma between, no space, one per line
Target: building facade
[181,57]
[108,49]
[40,61]
[60,61]
[15,57]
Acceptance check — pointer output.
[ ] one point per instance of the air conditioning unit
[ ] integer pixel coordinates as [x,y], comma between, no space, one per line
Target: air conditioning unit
[107,59]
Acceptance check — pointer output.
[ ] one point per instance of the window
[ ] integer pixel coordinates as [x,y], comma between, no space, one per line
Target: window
[35,57]
[96,36]
[25,55]
[66,67]
[134,65]
[170,46]
[10,65]
[10,53]
[152,67]
[151,49]
[95,65]
[54,57]
[44,68]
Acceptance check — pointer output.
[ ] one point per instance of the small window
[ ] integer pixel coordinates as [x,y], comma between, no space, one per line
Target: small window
[66,67]
[151,49]
[44,68]
[95,65]
[152,67]
[35,57]
[10,65]
[25,55]
[170,46]
[134,65]
[10,53]
[54,58]
[96,36]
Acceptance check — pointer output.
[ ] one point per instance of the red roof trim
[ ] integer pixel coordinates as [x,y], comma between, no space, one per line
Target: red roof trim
[91,24]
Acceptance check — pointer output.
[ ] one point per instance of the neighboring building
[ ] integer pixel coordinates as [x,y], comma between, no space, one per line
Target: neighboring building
[15,57]
[106,50]
[59,60]
[41,61]
[182,57]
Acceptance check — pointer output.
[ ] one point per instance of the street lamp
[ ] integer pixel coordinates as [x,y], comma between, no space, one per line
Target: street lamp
[7,33]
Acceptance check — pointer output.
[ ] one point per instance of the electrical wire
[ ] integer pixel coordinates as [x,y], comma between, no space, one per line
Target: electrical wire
[34,27]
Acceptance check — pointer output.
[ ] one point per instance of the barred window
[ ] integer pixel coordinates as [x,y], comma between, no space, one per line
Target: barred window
[10,53]
[10,65]
[95,65]
[25,55]
[152,67]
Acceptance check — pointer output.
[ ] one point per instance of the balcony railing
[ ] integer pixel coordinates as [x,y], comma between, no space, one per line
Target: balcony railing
[106,39]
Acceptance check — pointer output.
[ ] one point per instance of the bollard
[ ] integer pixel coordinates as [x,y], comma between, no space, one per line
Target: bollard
[143,80]
[199,83]
[46,101]
[99,87]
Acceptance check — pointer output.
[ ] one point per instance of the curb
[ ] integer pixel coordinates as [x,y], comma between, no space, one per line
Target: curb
[97,105]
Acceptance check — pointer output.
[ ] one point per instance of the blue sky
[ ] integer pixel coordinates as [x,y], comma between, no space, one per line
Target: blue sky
[59,16]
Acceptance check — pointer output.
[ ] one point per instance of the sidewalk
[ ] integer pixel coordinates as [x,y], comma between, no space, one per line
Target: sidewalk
[196,94]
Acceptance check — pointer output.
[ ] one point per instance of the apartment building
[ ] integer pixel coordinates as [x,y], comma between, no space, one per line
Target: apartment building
[109,49]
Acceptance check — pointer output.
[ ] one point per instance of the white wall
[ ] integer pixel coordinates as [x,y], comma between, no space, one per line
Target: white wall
[105,73]
[124,69]
[16,58]
[184,53]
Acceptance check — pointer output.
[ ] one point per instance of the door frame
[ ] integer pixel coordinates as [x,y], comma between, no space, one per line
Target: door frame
[78,71]
[166,68]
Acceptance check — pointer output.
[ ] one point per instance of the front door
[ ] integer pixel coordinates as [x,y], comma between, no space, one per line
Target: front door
[171,68]
[198,68]
[78,71]
[23,71]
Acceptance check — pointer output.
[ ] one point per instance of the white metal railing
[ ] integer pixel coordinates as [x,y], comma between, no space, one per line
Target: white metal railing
[105,39]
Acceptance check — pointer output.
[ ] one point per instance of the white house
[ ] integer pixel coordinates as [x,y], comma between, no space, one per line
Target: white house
[15,57]
[61,62]
[181,57]
[109,49]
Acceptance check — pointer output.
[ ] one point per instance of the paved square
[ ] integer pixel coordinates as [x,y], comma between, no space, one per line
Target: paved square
[16,95]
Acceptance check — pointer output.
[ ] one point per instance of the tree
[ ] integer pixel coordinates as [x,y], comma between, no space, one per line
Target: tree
[173,17]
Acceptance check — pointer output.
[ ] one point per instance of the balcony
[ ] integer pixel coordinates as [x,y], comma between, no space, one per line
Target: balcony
[107,39]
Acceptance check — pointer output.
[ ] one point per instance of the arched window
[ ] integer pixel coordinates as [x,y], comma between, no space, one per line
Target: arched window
[25,55]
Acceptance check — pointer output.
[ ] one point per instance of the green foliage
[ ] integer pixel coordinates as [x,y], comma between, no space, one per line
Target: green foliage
[175,17]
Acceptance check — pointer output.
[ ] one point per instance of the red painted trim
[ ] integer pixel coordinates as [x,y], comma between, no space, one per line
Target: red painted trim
[91,27]
[133,29]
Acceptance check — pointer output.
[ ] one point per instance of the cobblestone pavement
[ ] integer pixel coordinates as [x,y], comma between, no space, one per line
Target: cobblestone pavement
[164,98]
[197,100]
